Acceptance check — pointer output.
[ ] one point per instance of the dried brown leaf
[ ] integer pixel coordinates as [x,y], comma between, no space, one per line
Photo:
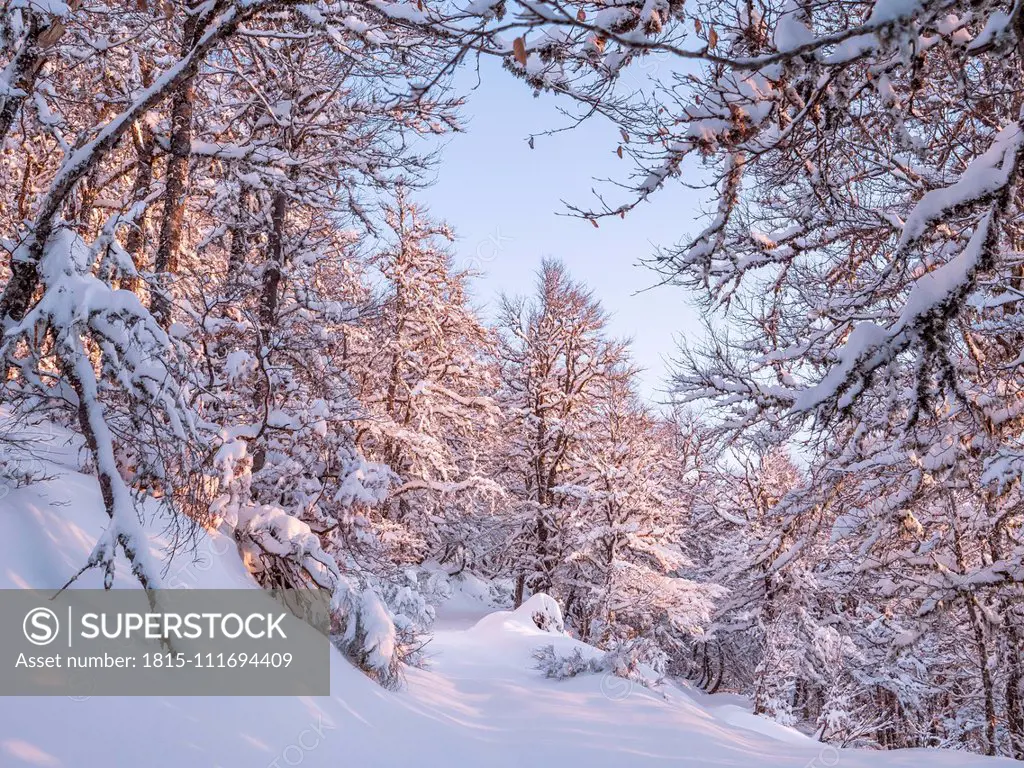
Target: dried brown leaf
[519,50]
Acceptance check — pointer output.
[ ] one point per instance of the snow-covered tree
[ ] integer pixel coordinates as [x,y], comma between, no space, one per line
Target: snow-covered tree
[427,383]
[555,358]
[623,577]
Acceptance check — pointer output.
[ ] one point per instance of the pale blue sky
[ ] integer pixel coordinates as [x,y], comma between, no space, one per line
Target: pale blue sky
[503,200]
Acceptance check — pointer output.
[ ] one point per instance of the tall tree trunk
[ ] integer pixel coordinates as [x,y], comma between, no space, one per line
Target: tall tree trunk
[1014,706]
[24,67]
[272,269]
[541,581]
[267,311]
[517,597]
[716,682]
[1014,674]
[88,190]
[176,180]
[25,192]
[135,243]
[987,685]
[239,240]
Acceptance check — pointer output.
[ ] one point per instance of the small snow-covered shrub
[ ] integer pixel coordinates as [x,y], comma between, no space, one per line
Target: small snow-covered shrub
[378,611]
[633,661]
[376,622]
[563,667]
[281,551]
[364,630]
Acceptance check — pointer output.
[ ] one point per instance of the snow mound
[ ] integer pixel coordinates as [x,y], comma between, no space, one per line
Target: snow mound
[538,615]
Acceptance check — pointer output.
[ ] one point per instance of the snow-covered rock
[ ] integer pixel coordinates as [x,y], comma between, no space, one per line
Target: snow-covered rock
[540,613]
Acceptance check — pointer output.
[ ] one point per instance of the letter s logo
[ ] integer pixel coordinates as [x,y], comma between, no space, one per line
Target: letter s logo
[41,626]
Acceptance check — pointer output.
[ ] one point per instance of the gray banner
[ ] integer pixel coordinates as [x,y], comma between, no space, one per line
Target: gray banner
[178,642]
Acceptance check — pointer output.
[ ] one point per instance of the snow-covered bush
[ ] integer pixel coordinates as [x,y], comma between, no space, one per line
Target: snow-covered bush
[561,667]
[378,614]
[641,662]
[374,622]
[545,613]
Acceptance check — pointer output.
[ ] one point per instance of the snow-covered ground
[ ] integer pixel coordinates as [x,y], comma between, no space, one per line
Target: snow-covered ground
[479,702]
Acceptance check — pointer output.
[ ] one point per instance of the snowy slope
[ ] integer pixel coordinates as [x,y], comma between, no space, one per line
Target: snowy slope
[479,703]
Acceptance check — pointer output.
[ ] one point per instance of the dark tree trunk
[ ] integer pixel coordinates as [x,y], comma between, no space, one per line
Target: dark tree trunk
[1014,676]
[135,243]
[239,240]
[88,191]
[713,688]
[1014,706]
[176,182]
[24,68]
[541,582]
[269,298]
[987,685]
[981,644]
[274,265]
[19,290]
